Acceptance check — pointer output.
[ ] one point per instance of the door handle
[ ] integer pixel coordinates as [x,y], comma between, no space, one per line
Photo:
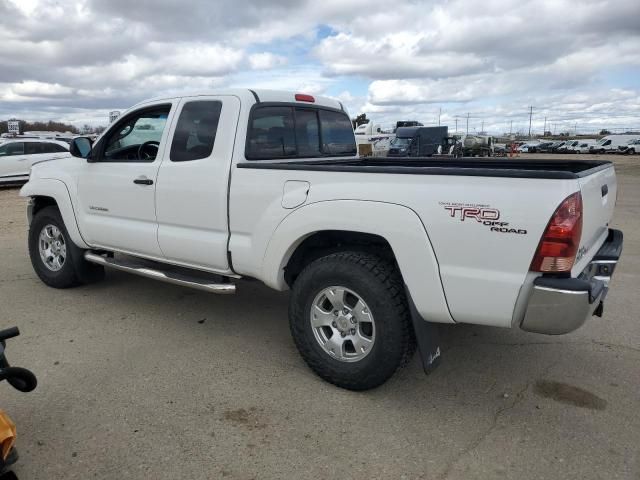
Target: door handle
[143,181]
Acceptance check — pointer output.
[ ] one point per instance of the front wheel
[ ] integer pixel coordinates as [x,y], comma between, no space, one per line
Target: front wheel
[55,258]
[350,321]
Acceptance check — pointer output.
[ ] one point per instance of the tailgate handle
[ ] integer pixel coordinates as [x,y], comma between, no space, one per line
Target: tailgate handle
[605,190]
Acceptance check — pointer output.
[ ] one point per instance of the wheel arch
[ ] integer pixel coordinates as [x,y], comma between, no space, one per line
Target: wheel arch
[390,230]
[43,193]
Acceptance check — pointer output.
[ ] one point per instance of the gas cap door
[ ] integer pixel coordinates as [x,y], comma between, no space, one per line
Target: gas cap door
[295,193]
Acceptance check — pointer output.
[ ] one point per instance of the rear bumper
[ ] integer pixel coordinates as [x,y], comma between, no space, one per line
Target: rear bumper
[561,305]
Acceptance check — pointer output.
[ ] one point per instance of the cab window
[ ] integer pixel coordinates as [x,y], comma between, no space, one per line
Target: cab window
[196,130]
[284,131]
[136,138]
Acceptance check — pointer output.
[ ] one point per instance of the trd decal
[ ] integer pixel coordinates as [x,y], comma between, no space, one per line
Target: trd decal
[483,214]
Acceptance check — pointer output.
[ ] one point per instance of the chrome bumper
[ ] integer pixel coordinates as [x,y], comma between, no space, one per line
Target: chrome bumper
[561,305]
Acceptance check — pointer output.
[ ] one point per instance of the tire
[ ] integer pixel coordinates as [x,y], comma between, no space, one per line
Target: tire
[379,285]
[70,269]
[631,151]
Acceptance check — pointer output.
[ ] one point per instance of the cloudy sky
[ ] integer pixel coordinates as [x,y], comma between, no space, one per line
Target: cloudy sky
[575,62]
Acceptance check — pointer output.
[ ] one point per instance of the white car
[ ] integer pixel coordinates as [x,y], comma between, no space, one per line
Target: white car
[583,146]
[524,148]
[18,155]
[204,189]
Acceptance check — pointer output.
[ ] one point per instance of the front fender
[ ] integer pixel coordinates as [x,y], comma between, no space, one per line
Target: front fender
[57,190]
[398,225]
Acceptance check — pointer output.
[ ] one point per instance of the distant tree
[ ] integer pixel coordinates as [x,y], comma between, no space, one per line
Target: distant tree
[547,133]
[605,132]
[360,120]
[49,126]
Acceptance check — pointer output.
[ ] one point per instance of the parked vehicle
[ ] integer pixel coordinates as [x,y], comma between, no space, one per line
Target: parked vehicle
[542,147]
[477,145]
[558,146]
[417,141]
[374,250]
[528,146]
[17,156]
[568,146]
[373,140]
[584,146]
[611,143]
[630,148]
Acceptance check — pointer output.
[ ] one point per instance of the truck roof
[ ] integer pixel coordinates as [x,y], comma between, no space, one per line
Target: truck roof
[254,95]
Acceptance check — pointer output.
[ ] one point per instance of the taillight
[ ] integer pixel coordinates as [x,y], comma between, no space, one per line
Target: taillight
[559,244]
[303,97]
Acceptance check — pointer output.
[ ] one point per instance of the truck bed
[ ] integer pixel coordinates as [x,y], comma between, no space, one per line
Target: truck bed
[472,166]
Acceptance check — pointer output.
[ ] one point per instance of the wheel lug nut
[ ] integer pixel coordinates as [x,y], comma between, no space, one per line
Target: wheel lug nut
[353,331]
[343,334]
[353,320]
[334,324]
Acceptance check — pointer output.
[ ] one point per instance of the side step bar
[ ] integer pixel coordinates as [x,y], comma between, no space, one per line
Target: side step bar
[176,278]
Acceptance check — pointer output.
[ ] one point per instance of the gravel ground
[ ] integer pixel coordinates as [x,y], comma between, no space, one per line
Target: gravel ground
[142,380]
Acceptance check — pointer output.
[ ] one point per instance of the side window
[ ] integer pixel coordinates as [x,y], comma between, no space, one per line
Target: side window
[271,133]
[136,137]
[337,133]
[33,148]
[196,130]
[53,148]
[307,133]
[12,148]
[608,142]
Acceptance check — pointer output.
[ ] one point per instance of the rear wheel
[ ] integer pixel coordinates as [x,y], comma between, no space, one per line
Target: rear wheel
[349,319]
[55,258]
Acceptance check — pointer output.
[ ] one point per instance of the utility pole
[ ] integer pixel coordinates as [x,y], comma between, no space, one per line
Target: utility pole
[575,129]
[467,123]
[530,116]
[510,127]
[544,130]
[482,128]
[456,124]
[439,114]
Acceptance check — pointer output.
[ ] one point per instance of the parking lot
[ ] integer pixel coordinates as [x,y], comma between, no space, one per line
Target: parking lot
[139,379]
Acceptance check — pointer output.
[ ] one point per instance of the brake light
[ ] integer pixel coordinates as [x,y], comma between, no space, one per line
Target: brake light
[303,97]
[559,243]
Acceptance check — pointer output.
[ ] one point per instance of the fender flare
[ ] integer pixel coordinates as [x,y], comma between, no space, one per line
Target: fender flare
[400,226]
[57,190]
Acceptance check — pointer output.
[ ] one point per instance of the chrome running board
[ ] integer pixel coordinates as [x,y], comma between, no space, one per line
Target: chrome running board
[180,277]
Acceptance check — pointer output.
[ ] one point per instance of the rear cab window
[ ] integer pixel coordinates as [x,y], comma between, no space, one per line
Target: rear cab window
[281,131]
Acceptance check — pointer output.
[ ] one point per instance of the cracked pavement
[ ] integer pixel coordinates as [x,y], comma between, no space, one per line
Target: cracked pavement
[141,380]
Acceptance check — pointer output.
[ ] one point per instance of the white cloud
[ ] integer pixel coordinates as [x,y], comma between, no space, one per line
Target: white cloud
[266,60]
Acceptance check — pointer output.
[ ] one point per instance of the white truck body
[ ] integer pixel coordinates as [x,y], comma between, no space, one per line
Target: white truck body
[611,143]
[462,245]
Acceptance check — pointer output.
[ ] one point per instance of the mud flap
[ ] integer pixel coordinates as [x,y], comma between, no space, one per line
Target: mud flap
[427,338]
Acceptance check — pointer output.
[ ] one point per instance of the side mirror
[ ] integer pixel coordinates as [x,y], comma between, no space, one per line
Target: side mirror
[80,147]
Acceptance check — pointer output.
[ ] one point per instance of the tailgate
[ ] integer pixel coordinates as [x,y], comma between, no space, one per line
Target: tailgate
[599,193]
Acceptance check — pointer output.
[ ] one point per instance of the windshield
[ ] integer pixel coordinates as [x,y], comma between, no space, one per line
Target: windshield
[400,142]
[602,140]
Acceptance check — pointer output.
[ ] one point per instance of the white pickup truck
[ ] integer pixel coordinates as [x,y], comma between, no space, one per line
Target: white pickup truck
[205,189]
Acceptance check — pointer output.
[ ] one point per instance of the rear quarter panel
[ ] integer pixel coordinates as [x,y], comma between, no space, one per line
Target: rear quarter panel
[482,271]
